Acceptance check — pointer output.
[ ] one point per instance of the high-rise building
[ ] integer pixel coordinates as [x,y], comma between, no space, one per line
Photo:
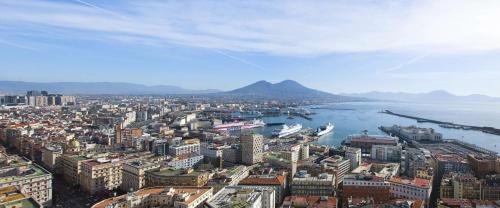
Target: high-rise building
[354,155]
[252,146]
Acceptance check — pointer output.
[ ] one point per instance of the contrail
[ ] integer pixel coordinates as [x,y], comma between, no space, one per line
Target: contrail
[216,50]
[399,66]
[239,59]
[8,43]
[100,8]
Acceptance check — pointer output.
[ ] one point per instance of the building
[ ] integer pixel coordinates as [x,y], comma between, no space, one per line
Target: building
[483,165]
[185,161]
[252,147]
[365,141]
[184,149]
[101,175]
[417,188]
[467,186]
[310,201]
[277,182]
[304,151]
[133,174]
[32,180]
[168,197]
[413,133]
[11,197]
[304,184]
[388,153]
[176,177]
[354,155]
[72,168]
[366,186]
[243,196]
[104,174]
[51,157]
[415,160]
[340,166]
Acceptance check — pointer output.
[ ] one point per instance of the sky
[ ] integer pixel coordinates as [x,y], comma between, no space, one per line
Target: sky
[335,46]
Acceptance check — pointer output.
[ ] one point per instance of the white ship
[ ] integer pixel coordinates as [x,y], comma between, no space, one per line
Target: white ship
[287,130]
[238,125]
[325,129]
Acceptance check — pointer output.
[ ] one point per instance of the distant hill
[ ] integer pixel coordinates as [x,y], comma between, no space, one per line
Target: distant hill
[286,90]
[434,96]
[95,88]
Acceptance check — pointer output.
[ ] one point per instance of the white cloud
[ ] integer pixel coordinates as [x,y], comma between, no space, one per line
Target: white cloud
[298,28]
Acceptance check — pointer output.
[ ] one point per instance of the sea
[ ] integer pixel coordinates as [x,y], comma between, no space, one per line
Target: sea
[354,117]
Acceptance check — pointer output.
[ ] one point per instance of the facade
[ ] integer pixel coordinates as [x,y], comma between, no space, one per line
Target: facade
[304,184]
[178,197]
[339,164]
[484,165]
[415,160]
[184,149]
[11,197]
[243,196]
[72,168]
[252,146]
[304,151]
[184,161]
[414,133]
[310,201]
[176,177]
[365,141]
[366,186]
[467,186]
[51,157]
[417,188]
[133,175]
[277,183]
[387,153]
[354,156]
[32,180]
[101,175]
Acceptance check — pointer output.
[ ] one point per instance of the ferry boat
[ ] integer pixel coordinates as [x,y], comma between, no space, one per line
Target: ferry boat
[238,125]
[287,130]
[325,129]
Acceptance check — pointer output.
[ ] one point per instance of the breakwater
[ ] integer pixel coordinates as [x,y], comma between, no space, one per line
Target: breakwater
[445,124]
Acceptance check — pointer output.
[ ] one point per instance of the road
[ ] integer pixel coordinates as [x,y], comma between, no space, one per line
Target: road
[65,195]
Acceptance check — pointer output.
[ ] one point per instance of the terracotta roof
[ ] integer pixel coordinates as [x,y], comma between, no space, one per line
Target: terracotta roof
[263,181]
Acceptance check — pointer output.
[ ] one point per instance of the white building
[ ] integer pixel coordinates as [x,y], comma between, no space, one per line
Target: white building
[417,188]
[243,196]
[183,149]
[416,133]
[354,155]
[184,161]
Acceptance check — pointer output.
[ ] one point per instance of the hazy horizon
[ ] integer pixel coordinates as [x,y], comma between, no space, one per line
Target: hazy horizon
[337,47]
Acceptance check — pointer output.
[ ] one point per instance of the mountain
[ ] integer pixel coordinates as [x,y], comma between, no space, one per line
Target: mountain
[89,88]
[433,96]
[286,90]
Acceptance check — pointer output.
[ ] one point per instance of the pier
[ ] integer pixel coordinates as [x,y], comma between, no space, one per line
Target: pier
[443,124]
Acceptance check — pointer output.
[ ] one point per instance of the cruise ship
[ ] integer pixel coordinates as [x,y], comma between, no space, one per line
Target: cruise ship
[238,125]
[287,130]
[325,129]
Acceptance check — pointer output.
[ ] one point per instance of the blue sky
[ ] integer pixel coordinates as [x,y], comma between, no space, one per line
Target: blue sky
[341,46]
